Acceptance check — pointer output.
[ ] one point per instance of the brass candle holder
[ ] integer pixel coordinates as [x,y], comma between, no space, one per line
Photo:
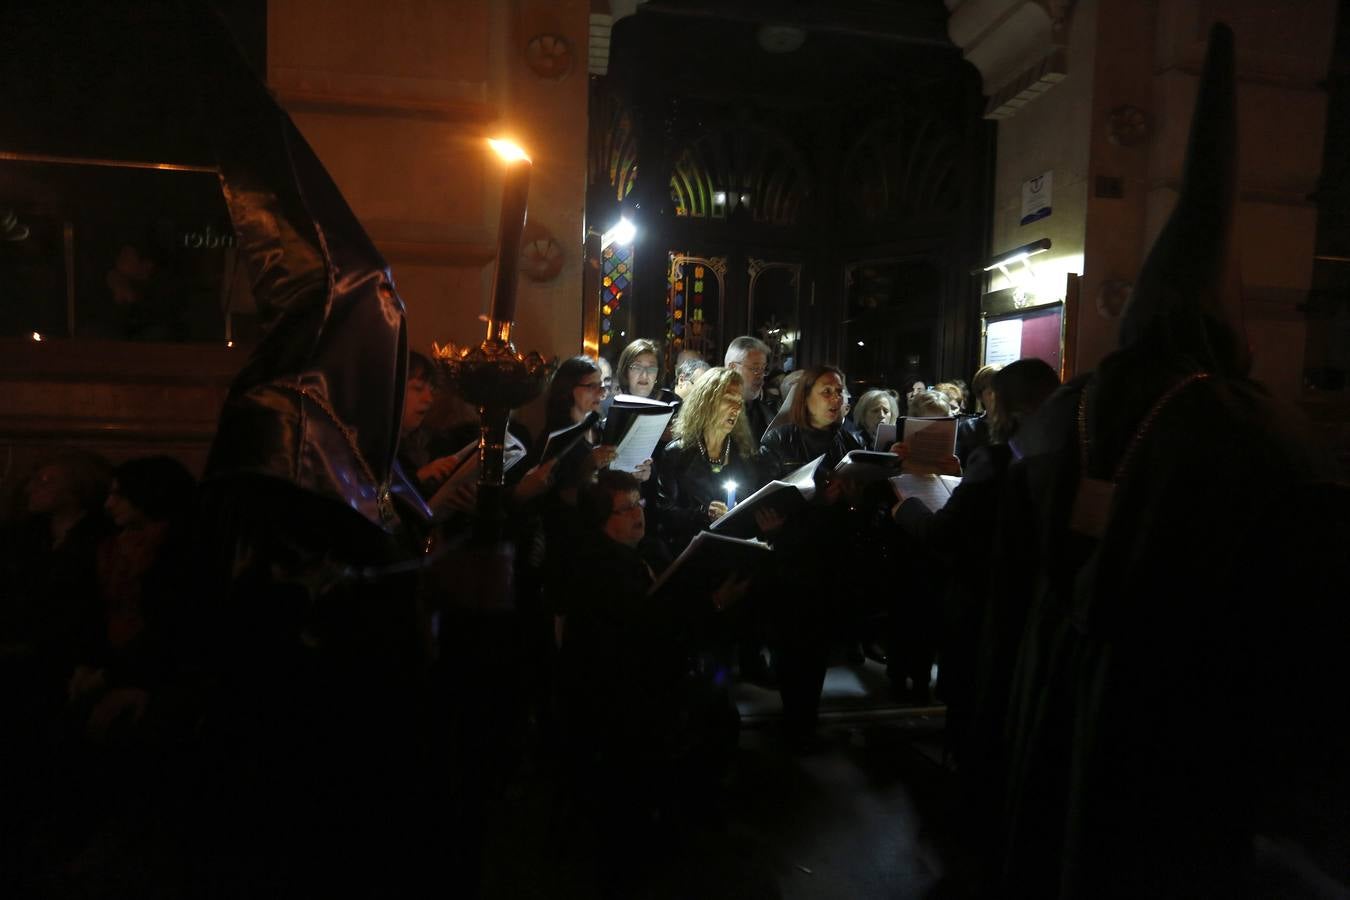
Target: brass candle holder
[494,376]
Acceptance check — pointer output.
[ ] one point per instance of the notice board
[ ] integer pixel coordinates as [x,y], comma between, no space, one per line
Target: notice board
[1037,332]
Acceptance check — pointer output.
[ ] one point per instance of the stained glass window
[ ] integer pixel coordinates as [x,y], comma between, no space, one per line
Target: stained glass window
[616,281]
[693,296]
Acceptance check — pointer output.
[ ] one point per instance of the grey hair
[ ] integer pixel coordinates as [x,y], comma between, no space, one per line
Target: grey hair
[742,345]
[872,398]
[690,368]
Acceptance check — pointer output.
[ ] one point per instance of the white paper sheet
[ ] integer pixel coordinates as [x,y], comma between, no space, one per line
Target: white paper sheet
[639,443]
[933,490]
[931,441]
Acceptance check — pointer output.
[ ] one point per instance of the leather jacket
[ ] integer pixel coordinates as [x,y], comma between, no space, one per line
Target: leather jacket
[686,484]
[789,447]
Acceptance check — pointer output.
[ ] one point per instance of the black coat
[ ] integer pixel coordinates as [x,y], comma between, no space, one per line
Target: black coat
[972,432]
[686,484]
[1141,759]
[623,653]
[788,447]
[758,414]
[968,521]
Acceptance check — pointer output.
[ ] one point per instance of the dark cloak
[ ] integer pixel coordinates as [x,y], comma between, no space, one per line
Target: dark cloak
[1144,757]
[316,651]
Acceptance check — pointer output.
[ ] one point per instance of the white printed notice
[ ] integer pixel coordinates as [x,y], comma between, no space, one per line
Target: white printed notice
[931,442]
[1002,342]
[1036,199]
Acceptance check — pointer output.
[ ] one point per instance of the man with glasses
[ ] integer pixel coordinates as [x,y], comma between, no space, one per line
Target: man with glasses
[750,357]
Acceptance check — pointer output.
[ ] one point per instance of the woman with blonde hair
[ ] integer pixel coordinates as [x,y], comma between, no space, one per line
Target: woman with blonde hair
[712,447]
[876,407]
[930,404]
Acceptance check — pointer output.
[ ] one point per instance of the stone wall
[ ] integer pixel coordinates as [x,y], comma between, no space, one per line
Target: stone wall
[398,100]
[1112,127]
[1045,136]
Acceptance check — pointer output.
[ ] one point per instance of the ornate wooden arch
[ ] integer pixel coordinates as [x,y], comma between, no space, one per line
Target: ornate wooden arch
[746,166]
[613,144]
[902,167]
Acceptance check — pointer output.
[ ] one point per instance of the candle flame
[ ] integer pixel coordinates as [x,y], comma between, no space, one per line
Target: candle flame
[730,485]
[508,151]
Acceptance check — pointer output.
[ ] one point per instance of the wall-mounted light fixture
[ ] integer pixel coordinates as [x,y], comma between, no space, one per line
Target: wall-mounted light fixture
[623,232]
[1023,283]
[1019,254]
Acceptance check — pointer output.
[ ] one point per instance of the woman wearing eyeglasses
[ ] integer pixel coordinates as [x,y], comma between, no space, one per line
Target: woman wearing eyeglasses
[639,368]
[637,372]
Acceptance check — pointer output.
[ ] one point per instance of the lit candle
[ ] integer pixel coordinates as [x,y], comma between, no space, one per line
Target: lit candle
[515,191]
[731,493]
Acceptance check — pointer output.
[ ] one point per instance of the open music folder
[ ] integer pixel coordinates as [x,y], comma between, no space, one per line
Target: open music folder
[708,561]
[634,427]
[784,495]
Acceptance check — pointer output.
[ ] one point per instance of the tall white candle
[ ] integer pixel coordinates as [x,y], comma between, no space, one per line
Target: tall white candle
[731,493]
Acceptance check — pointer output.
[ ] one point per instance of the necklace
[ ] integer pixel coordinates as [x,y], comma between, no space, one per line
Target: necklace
[715,464]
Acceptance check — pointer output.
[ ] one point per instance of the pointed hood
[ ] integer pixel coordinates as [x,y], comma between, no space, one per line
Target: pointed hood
[320,401]
[1180,294]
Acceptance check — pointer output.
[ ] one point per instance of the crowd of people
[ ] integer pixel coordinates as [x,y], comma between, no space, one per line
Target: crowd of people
[625,689]
[102,615]
[594,542]
[313,672]
[721,432]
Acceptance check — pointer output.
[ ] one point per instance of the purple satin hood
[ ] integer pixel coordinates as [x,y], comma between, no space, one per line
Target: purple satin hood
[320,401]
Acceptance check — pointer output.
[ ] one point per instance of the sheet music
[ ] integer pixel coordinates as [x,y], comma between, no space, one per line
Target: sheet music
[933,490]
[640,442]
[931,441]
